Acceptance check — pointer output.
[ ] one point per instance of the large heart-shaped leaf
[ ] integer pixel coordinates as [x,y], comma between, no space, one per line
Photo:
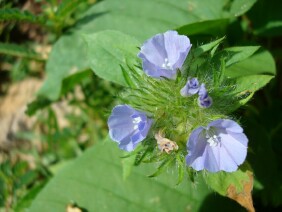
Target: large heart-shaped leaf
[109,51]
[138,18]
[250,72]
[259,63]
[94,182]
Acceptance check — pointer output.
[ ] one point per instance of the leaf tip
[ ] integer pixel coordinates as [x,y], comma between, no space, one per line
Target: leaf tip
[244,197]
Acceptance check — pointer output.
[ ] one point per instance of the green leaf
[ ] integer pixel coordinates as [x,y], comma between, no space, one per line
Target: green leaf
[239,7]
[127,77]
[260,63]
[25,202]
[207,47]
[18,51]
[210,27]
[248,85]
[26,179]
[127,165]
[219,8]
[237,54]
[61,69]
[72,80]
[251,74]
[165,164]
[252,83]
[95,179]
[220,181]
[139,19]
[108,50]
[39,103]
[235,185]
[14,14]
[181,166]
[66,7]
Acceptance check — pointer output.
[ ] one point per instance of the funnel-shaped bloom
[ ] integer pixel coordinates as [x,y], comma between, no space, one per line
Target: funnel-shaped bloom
[128,126]
[163,54]
[221,146]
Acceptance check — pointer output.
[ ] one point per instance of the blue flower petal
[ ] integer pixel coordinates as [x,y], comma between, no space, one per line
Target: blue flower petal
[212,159]
[153,50]
[128,126]
[217,147]
[226,163]
[236,150]
[227,124]
[157,72]
[177,48]
[163,54]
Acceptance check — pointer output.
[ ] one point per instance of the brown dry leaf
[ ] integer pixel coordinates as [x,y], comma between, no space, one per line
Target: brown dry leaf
[244,198]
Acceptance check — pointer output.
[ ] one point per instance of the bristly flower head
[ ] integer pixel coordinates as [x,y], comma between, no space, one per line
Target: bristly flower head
[221,146]
[204,99]
[191,87]
[200,95]
[128,126]
[163,54]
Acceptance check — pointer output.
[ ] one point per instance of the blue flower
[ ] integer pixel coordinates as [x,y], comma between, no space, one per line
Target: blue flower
[204,99]
[128,126]
[221,146]
[163,54]
[191,87]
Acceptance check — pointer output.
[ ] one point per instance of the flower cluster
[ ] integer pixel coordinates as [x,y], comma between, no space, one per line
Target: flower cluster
[219,145]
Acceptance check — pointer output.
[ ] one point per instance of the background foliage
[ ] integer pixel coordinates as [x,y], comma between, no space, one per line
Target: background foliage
[101,35]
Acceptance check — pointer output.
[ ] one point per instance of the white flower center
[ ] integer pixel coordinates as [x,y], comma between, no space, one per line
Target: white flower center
[167,64]
[212,140]
[136,121]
